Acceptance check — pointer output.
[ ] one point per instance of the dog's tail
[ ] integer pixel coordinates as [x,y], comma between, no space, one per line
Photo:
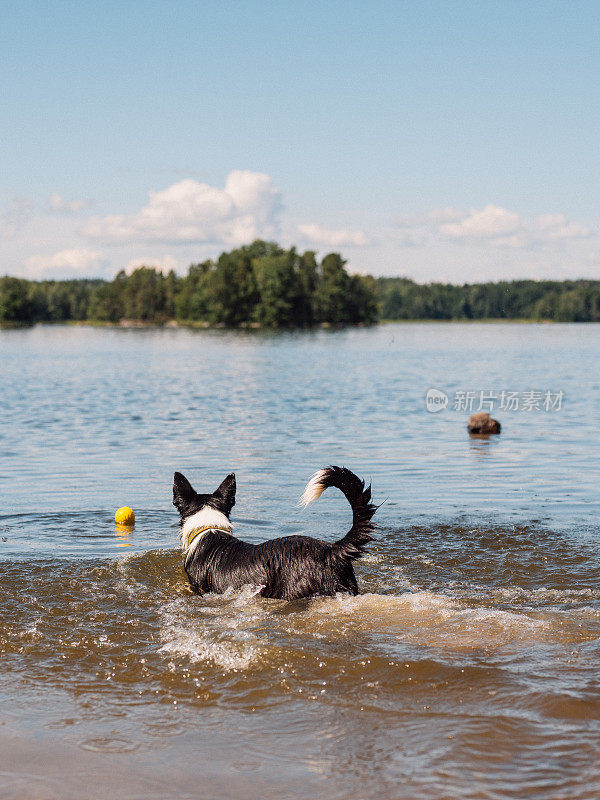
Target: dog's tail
[354,542]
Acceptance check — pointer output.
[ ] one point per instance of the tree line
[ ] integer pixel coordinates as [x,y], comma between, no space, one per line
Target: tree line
[266,285]
[559,301]
[260,284]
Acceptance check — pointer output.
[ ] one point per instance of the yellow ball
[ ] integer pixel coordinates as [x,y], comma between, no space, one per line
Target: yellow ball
[125,516]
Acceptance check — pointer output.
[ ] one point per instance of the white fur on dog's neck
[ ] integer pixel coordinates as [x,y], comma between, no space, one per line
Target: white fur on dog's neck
[207,518]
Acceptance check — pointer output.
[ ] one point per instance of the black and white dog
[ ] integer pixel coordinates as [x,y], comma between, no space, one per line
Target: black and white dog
[287,568]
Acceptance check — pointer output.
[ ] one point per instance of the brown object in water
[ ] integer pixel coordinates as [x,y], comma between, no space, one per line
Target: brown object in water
[483,423]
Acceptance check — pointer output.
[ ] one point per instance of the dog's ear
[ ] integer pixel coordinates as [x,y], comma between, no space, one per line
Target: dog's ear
[183,492]
[226,493]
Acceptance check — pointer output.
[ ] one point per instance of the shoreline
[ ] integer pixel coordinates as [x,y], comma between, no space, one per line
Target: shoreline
[129,324]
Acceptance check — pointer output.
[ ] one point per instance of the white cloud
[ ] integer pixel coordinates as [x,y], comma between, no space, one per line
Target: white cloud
[556,226]
[488,243]
[191,212]
[492,222]
[500,227]
[345,237]
[59,205]
[75,263]
[163,264]
[190,221]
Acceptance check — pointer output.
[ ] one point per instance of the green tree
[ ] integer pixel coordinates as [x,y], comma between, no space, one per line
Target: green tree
[362,302]
[231,289]
[191,301]
[144,295]
[15,304]
[107,300]
[332,291]
[278,285]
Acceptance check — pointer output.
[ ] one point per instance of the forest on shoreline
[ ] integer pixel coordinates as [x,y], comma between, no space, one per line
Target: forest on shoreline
[265,285]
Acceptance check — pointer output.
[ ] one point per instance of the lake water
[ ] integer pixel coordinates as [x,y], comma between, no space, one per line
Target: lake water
[466,668]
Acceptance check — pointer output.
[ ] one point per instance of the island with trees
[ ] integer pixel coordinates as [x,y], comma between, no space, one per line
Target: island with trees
[265,285]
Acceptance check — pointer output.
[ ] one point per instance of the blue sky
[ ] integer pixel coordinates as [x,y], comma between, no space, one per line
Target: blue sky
[441,140]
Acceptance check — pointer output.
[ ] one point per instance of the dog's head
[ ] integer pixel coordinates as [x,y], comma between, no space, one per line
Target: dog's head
[187,501]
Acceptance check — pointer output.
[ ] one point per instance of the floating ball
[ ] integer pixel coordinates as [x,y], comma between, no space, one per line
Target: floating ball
[125,516]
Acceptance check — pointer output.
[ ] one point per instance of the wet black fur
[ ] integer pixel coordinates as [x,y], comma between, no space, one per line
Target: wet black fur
[288,568]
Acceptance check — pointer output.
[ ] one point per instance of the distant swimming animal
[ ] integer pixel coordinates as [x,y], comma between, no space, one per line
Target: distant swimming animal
[288,568]
[482,423]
